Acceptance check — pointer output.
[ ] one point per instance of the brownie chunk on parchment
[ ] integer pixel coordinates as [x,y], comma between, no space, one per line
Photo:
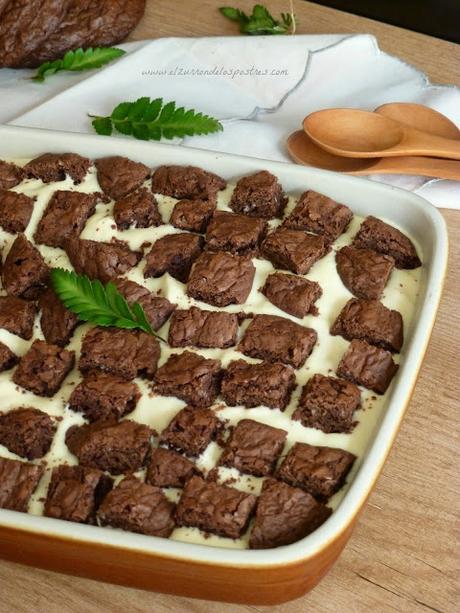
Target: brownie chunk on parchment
[51,167]
[25,273]
[138,507]
[15,211]
[367,365]
[118,176]
[57,322]
[8,359]
[17,316]
[175,254]
[18,481]
[364,272]
[328,404]
[191,430]
[27,432]
[201,328]
[138,209]
[192,215]
[103,261]
[259,195]
[187,182]
[157,309]
[292,294]
[116,447]
[293,250]
[285,515]
[379,236]
[75,493]
[10,175]
[238,234]
[167,468]
[215,508]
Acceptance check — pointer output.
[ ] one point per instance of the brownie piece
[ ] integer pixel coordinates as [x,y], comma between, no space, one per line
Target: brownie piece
[75,492]
[51,167]
[116,447]
[167,468]
[118,176]
[293,250]
[123,353]
[379,236]
[364,272]
[18,481]
[192,215]
[328,404]
[8,359]
[137,210]
[259,195]
[285,515]
[294,295]
[175,254]
[277,339]
[372,322]
[156,308]
[186,182]
[191,377]
[57,322]
[138,507]
[253,448]
[367,365]
[317,213]
[65,217]
[10,175]
[103,261]
[43,368]
[253,385]
[101,396]
[15,211]
[17,316]
[320,471]
[27,432]
[25,273]
[215,508]
[221,279]
[238,234]
[203,328]
[191,430]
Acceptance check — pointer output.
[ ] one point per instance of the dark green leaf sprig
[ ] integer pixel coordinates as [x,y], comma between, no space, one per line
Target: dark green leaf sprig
[148,119]
[260,21]
[78,60]
[99,304]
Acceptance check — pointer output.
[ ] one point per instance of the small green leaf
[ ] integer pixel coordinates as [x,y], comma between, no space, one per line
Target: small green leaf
[79,60]
[102,125]
[260,21]
[153,110]
[121,111]
[230,13]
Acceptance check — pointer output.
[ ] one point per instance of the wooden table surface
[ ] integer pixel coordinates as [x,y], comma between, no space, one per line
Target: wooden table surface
[403,555]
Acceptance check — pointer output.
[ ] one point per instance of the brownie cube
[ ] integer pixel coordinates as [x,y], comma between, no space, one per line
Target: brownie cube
[253,385]
[293,250]
[203,328]
[51,167]
[75,492]
[138,507]
[285,515]
[186,182]
[292,294]
[103,261]
[10,175]
[175,254]
[116,447]
[367,365]
[15,211]
[191,430]
[167,468]
[192,215]
[18,481]
[238,234]
[43,368]
[137,210]
[25,273]
[317,213]
[191,377]
[57,322]
[215,508]
[101,396]
[277,339]
[372,322]
[17,316]
[320,471]
[123,353]
[379,236]
[157,309]
[27,432]
[364,272]
[8,359]
[118,176]
[221,279]
[259,195]
[328,404]
[253,448]
[65,217]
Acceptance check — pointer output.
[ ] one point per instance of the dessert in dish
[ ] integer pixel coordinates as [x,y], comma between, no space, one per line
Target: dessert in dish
[282,319]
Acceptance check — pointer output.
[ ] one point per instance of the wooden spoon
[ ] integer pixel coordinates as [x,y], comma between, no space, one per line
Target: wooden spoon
[420,117]
[355,133]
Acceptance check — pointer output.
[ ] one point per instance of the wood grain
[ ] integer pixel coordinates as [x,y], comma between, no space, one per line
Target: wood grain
[403,555]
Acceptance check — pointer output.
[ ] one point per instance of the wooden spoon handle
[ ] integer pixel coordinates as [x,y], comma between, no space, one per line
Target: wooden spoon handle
[422,143]
[414,165]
